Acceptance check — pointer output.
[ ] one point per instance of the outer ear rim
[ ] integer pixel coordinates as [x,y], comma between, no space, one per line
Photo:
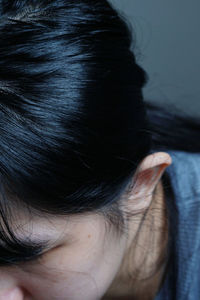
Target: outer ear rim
[143,175]
[155,159]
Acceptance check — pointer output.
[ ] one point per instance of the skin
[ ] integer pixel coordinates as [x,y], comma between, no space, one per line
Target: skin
[93,263]
[125,288]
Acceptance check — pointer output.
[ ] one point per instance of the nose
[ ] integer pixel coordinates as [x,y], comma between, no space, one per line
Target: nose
[14,294]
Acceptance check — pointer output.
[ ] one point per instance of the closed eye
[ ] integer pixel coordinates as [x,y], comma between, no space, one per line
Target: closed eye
[40,257]
[26,252]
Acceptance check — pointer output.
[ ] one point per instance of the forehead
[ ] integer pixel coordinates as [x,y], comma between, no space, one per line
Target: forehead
[58,226]
[24,219]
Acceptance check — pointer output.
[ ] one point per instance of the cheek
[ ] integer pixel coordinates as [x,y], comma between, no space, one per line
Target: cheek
[73,273]
[64,285]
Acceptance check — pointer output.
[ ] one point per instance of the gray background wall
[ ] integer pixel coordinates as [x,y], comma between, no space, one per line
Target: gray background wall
[168,48]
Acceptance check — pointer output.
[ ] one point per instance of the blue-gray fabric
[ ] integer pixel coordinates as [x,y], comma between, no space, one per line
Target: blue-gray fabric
[182,279]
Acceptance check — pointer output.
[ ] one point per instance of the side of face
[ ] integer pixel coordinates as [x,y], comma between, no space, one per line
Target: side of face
[80,268]
[84,266]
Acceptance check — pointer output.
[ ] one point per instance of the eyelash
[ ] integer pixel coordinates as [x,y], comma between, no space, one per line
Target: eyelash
[40,257]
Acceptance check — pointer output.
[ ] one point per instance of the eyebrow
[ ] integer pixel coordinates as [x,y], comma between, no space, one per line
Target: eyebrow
[19,251]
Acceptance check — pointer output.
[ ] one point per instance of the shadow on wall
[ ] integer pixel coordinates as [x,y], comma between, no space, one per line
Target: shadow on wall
[167,47]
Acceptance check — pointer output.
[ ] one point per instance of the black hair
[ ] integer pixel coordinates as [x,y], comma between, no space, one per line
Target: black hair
[74,124]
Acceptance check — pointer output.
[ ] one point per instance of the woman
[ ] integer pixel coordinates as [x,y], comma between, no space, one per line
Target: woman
[83,158]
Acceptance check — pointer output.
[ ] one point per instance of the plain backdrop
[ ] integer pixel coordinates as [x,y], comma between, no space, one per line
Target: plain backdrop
[168,48]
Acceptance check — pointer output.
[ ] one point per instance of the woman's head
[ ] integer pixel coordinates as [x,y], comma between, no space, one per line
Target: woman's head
[74,136]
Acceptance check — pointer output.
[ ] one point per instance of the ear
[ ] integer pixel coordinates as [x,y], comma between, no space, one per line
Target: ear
[146,178]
